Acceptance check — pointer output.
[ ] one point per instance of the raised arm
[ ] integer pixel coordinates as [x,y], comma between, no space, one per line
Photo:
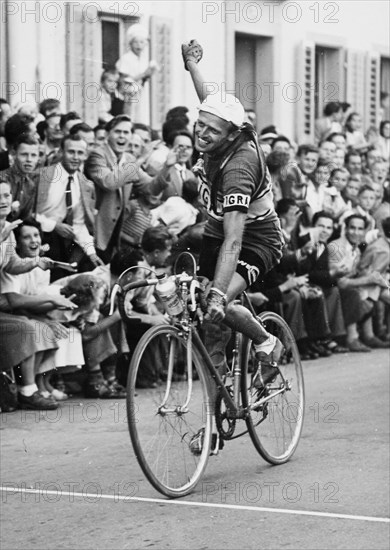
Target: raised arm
[192,54]
[107,178]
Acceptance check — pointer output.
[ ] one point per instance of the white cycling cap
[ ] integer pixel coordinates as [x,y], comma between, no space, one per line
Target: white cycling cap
[225,106]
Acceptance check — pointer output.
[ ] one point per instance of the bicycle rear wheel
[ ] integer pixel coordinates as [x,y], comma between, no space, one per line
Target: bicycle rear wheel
[163,420]
[275,424]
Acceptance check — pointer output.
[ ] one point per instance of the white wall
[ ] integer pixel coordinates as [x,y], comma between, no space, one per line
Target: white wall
[37,41]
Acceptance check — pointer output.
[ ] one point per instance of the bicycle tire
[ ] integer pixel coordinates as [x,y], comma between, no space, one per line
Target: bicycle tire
[161,439]
[275,427]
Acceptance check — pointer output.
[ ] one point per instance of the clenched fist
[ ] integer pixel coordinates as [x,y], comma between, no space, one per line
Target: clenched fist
[192,51]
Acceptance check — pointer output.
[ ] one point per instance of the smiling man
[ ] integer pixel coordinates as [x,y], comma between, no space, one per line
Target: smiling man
[344,258]
[242,238]
[114,171]
[66,206]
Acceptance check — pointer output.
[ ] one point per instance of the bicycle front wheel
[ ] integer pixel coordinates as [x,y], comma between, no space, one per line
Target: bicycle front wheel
[275,415]
[164,420]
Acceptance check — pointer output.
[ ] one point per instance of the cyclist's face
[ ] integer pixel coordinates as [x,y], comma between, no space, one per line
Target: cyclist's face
[211,132]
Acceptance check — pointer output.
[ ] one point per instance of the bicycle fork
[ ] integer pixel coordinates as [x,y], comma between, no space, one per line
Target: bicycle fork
[182,408]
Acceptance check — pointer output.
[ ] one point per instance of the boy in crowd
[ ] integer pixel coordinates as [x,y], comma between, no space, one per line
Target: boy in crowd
[22,176]
[110,103]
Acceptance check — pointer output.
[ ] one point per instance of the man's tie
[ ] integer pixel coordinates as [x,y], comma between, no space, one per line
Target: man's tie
[68,200]
[320,247]
[182,171]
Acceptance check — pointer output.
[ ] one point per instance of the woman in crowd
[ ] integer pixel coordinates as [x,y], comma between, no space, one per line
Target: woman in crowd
[35,286]
[384,139]
[354,135]
[25,346]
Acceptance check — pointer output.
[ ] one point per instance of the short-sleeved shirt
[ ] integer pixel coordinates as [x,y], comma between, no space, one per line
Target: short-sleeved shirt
[31,283]
[246,187]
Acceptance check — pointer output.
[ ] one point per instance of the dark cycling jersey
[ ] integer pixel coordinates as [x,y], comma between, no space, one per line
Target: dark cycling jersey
[245,187]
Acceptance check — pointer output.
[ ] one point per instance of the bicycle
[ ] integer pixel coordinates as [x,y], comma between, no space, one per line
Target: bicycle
[163,420]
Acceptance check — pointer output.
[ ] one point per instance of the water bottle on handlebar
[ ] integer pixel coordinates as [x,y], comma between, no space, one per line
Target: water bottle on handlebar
[167,292]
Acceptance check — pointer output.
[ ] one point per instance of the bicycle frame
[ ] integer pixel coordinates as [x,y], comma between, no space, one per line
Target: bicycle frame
[173,435]
[235,411]
[232,406]
[192,336]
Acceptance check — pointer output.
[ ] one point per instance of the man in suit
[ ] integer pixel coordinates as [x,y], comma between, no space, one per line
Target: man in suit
[181,145]
[66,207]
[285,285]
[114,172]
[344,258]
[316,265]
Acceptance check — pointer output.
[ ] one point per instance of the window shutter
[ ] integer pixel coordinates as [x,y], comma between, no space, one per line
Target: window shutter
[4,56]
[161,48]
[356,77]
[83,63]
[305,107]
[371,114]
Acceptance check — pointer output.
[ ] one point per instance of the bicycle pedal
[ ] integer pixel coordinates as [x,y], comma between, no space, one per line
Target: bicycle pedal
[196,442]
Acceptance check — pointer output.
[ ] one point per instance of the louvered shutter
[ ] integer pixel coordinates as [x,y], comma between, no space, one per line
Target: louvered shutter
[4,70]
[161,51]
[305,107]
[371,113]
[356,78]
[83,62]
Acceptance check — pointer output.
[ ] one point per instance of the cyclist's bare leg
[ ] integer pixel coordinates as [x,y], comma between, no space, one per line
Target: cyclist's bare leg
[216,336]
[238,317]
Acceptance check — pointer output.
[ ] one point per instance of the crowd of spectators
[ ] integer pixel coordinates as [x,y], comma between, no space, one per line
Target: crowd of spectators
[122,195]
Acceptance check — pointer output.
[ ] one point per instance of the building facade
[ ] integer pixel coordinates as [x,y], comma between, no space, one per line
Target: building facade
[284,59]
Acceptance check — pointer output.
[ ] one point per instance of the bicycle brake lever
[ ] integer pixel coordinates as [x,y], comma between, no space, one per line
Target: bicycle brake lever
[193,286]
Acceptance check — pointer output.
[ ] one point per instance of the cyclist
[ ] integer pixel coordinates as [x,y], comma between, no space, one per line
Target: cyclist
[242,238]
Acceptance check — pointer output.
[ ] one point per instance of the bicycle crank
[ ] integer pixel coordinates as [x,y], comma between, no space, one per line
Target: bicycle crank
[225,424]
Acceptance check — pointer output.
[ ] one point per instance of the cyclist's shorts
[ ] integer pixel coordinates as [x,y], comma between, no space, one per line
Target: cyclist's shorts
[251,264]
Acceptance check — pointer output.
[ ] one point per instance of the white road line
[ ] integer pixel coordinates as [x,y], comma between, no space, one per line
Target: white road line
[117,498]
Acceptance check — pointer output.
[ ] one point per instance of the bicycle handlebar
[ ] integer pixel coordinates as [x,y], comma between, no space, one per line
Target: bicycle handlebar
[150,282]
[139,284]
